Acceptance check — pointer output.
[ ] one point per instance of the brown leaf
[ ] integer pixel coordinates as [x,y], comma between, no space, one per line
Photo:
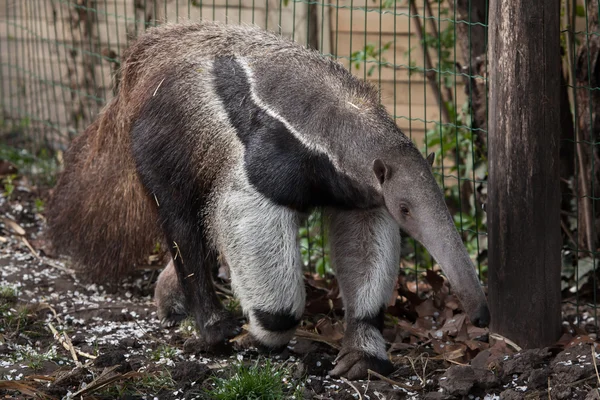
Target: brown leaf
[449,351]
[414,330]
[446,314]
[332,331]
[463,332]
[413,298]
[434,279]
[475,332]
[500,348]
[426,308]
[452,302]
[425,322]
[564,340]
[476,345]
[317,281]
[454,325]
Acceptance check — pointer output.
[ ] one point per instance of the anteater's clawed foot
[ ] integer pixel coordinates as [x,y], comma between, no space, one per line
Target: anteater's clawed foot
[220,329]
[171,320]
[354,364]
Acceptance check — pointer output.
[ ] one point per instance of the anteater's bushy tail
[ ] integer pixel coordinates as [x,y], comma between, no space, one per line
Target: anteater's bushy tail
[100,214]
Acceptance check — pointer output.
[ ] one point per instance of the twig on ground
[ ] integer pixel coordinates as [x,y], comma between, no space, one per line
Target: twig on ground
[68,345]
[23,388]
[101,381]
[352,386]
[315,337]
[13,226]
[31,249]
[412,364]
[393,382]
[71,349]
[505,340]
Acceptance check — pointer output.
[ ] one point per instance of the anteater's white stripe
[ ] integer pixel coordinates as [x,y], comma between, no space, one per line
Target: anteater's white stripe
[302,138]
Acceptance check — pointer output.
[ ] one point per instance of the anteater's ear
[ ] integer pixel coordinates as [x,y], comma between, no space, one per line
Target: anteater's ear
[382,171]
[430,159]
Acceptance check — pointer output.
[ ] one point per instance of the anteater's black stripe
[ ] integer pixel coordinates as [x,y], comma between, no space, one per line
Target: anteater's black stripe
[276,321]
[278,165]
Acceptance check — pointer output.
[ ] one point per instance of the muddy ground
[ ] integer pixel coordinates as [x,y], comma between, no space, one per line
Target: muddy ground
[62,338]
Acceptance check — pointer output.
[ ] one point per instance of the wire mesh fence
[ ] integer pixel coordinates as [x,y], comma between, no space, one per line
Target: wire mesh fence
[60,62]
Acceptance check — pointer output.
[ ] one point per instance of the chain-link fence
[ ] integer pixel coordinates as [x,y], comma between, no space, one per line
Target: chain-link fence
[60,60]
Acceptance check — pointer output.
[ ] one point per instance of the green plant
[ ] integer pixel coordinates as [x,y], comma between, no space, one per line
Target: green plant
[233,305]
[39,205]
[163,351]
[41,167]
[313,244]
[263,380]
[142,385]
[9,186]
[8,294]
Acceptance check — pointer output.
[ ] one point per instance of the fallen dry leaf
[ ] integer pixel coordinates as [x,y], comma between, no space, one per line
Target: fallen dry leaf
[427,308]
[454,325]
[414,330]
[333,331]
[435,280]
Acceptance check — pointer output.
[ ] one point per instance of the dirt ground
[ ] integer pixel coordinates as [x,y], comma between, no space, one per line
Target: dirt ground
[62,338]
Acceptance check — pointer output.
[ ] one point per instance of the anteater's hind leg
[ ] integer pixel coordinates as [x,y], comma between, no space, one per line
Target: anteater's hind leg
[166,162]
[365,252]
[194,262]
[169,297]
[259,240]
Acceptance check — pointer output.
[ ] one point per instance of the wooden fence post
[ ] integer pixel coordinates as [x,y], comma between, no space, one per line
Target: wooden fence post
[524,195]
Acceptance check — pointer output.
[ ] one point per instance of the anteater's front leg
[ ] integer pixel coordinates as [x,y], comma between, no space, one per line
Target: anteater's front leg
[365,251]
[259,240]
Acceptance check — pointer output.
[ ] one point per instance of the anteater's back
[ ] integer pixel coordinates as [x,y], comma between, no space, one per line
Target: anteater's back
[101,214]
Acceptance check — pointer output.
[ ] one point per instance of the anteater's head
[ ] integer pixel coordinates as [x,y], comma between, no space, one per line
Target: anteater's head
[414,199]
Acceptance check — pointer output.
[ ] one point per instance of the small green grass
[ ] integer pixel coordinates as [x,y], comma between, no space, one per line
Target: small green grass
[8,294]
[149,384]
[35,358]
[15,318]
[163,351]
[42,166]
[39,205]
[233,305]
[9,185]
[263,380]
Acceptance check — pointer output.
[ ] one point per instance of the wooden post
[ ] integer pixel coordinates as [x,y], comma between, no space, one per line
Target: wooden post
[524,193]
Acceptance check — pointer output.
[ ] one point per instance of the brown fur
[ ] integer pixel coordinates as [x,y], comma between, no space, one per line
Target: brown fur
[100,214]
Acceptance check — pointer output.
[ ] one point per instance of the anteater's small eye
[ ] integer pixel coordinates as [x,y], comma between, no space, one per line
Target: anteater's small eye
[404,210]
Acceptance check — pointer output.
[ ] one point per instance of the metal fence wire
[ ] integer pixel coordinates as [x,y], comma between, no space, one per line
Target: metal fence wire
[427,57]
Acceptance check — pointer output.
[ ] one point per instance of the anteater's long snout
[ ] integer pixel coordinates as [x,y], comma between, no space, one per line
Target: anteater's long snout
[454,260]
